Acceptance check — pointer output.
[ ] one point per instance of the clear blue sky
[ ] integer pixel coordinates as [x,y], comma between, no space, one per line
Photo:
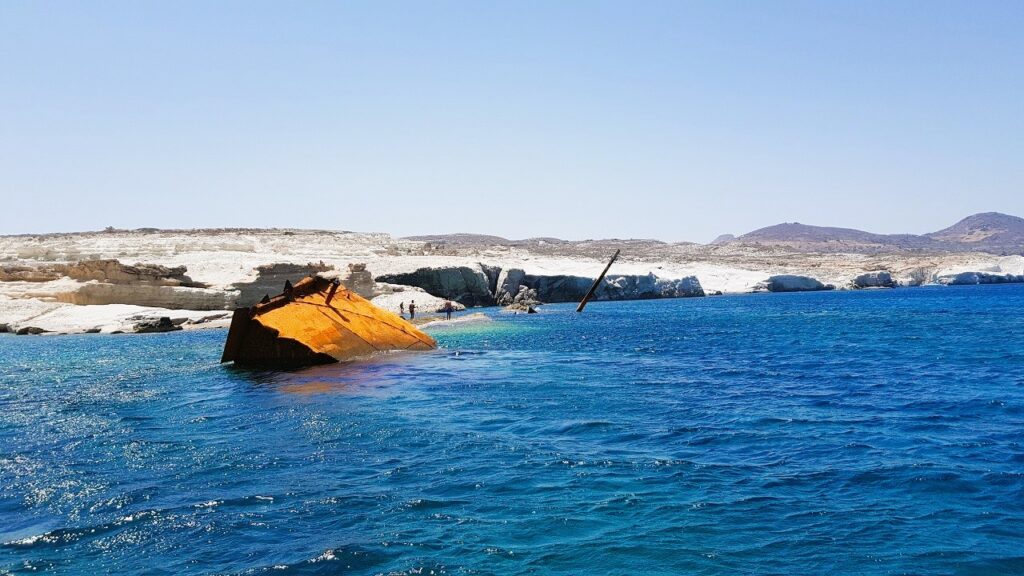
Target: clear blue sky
[669,120]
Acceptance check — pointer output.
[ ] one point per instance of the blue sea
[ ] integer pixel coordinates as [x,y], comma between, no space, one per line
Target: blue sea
[870,432]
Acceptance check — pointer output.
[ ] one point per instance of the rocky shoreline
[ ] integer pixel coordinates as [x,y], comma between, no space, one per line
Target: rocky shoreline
[144,281]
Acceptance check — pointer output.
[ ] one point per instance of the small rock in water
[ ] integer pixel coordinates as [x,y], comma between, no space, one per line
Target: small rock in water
[30,330]
[164,324]
[524,301]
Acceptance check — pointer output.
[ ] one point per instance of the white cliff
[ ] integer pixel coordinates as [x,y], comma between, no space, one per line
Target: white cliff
[70,282]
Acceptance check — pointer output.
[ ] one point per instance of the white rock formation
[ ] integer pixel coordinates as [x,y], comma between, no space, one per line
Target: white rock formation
[220,259]
[425,303]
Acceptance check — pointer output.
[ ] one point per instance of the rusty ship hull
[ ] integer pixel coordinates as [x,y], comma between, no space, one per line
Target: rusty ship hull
[316,321]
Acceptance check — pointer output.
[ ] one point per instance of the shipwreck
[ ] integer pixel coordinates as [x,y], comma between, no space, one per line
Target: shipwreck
[316,321]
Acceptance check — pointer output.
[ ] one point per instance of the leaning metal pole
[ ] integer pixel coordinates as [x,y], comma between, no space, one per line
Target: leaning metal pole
[583,303]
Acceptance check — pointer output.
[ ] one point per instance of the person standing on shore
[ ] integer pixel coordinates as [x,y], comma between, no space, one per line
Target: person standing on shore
[412,310]
[401,309]
[448,307]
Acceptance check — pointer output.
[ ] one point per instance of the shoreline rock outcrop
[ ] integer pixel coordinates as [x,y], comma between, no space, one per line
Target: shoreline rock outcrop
[359,280]
[108,271]
[170,297]
[879,279]
[524,301]
[973,278]
[393,297]
[162,324]
[114,272]
[793,283]
[42,274]
[271,277]
[647,287]
[462,284]
[473,287]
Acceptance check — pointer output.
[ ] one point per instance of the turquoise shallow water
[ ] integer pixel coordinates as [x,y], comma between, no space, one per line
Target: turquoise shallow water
[872,432]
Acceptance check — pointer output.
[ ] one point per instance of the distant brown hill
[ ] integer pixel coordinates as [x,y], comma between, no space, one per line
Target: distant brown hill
[987,232]
[824,238]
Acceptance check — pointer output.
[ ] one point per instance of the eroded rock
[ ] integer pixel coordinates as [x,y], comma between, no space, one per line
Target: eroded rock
[359,280]
[793,283]
[880,279]
[271,277]
[971,278]
[507,285]
[15,273]
[565,288]
[114,272]
[493,273]
[394,296]
[525,300]
[646,287]
[559,288]
[162,324]
[171,297]
[462,284]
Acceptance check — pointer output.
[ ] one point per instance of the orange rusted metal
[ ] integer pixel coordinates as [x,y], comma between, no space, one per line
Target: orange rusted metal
[316,321]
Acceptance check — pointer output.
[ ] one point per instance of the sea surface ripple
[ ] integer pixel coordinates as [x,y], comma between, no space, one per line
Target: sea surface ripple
[872,432]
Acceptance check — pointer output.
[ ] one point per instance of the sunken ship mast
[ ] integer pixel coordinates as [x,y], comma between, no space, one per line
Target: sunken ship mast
[316,321]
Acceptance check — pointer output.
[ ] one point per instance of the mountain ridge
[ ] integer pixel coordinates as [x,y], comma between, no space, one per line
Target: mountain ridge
[992,232]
